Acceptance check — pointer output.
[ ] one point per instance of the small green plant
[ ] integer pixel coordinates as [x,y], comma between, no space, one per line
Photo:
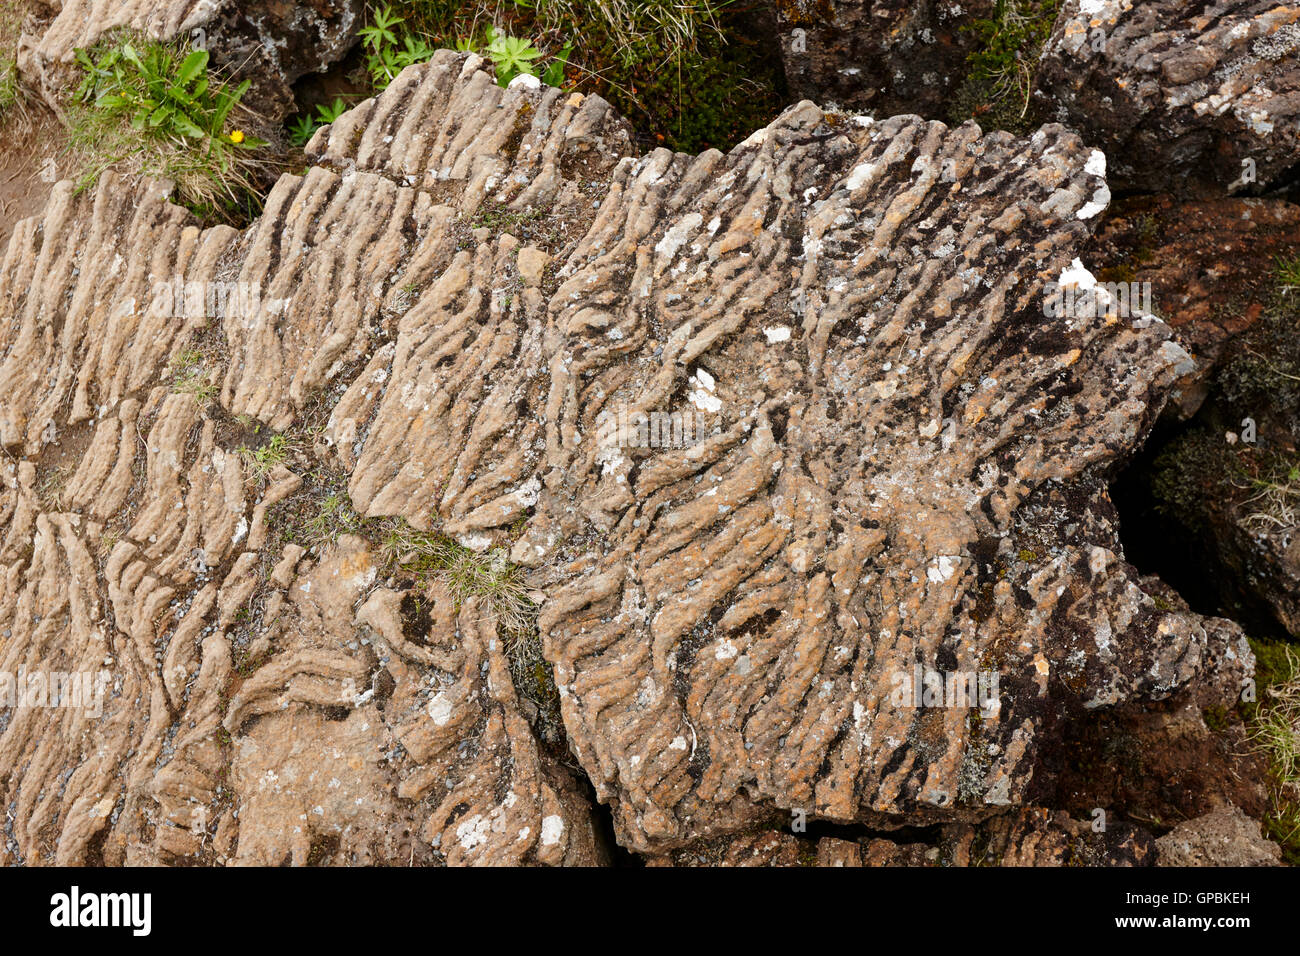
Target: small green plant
[266,458]
[386,57]
[189,377]
[511,55]
[158,107]
[335,517]
[553,75]
[465,573]
[328,114]
[997,89]
[304,128]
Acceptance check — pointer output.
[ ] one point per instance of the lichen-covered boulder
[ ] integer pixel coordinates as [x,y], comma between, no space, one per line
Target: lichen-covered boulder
[1200,98]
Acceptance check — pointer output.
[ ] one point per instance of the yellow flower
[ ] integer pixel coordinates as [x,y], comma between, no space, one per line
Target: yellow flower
[237,136]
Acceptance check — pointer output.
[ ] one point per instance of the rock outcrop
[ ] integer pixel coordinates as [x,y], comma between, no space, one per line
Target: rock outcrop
[1226,837]
[881,56]
[1197,98]
[272,43]
[807,473]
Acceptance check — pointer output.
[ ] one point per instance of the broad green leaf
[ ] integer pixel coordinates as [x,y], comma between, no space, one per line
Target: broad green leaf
[194,64]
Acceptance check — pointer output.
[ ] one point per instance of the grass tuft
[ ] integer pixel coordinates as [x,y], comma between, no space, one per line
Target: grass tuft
[465,573]
[1288,273]
[190,377]
[1275,731]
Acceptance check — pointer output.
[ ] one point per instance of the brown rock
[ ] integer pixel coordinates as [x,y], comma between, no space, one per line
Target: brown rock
[1211,267]
[888,456]
[1226,837]
[879,56]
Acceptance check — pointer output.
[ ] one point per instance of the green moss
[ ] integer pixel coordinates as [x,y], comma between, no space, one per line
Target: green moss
[1273,666]
[1216,718]
[1264,371]
[1188,474]
[996,91]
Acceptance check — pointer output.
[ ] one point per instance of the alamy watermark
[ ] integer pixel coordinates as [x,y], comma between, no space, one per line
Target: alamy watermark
[923,687]
[1097,300]
[79,690]
[624,428]
[179,299]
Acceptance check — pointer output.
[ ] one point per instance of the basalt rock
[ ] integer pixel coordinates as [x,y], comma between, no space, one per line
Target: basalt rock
[1030,837]
[273,43]
[1226,837]
[884,56]
[1196,98]
[884,459]
[1209,267]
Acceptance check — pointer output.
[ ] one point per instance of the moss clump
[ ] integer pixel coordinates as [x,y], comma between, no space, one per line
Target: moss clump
[997,90]
[1216,718]
[1189,474]
[1264,371]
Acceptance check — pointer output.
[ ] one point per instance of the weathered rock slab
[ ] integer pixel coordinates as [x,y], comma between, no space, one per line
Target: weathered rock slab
[1197,98]
[885,462]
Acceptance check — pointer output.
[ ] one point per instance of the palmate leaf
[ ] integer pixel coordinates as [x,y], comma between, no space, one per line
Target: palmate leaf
[328,114]
[511,55]
[301,130]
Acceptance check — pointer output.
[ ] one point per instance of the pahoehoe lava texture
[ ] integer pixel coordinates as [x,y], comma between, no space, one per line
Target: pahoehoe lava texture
[903,463]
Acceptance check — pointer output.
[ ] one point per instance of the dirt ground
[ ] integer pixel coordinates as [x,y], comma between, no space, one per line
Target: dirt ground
[31,162]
